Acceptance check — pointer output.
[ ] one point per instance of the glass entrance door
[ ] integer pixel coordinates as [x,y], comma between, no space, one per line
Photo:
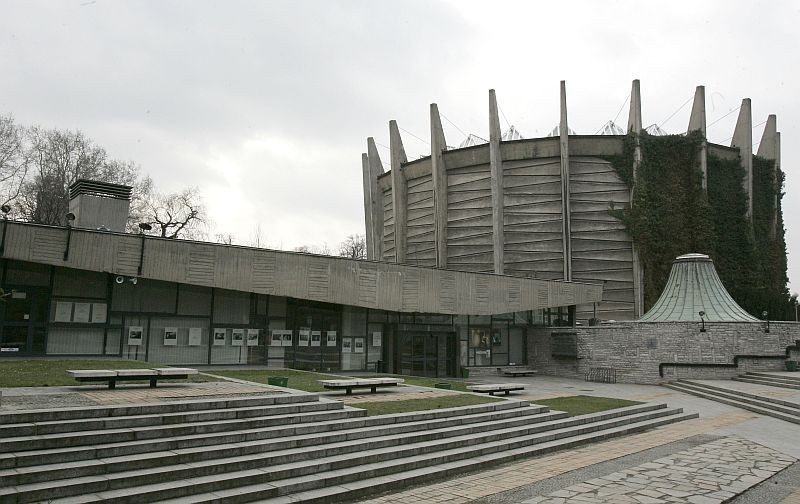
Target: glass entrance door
[427,353]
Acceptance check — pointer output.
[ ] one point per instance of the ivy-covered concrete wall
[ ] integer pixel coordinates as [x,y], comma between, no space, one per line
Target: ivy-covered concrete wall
[636,350]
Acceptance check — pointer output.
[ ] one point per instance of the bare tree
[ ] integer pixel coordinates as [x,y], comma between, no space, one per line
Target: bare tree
[323,249]
[176,215]
[13,159]
[224,238]
[354,247]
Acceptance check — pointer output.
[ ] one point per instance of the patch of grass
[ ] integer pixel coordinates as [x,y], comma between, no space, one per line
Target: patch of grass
[53,372]
[299,380]
[449,401]
[581,405]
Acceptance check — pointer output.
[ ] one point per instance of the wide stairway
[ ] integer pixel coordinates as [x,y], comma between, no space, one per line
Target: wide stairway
[783,380]
[751,401]
[279,448]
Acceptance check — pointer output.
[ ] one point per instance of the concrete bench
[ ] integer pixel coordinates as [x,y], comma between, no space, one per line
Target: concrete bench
[370,383]
[115,375]
[492,388]
[519,372]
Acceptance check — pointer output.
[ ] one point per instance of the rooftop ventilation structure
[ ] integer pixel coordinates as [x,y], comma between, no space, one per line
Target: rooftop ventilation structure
[693,287]
[99,205]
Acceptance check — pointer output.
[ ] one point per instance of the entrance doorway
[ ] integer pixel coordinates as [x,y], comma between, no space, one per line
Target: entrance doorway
[432,354]
[24,321]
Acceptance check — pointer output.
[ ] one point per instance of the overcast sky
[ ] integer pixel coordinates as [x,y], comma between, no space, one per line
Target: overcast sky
[266,106]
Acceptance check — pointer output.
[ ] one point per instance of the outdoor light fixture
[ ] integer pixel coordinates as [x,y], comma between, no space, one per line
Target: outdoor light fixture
[5,209]
[70,218]
[764,316]
[702,322]
[143,226]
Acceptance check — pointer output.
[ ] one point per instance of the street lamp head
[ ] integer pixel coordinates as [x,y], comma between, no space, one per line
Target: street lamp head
[145,226]
[764,314]
[5,209]
[70,217]
[701,313]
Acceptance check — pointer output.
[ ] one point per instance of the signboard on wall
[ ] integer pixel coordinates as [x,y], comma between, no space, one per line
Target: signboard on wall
[276,339]
[195,336]
[99,313]
[347,345]
[304,337]
[330,338]
[219,336]
[358,345]
[170,336]
[564,344]
[252,337]
[237,337]
[63,311]
[81,314]
[377,338]
[316,338]
[135,335]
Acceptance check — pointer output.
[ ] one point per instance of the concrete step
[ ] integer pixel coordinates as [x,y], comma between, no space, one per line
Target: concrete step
[782,405]
[284,449]
[320,412]
[214,475]
[301,425]
[291,479]
[61,414]
[794,378]
[155,419]
[739,403]
[766,381]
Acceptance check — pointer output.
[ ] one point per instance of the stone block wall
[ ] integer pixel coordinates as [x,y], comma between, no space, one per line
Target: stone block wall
[637,349]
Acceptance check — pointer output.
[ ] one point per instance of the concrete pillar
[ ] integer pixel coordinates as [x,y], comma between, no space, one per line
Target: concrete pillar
[439,175]
[368,227]
[697,121]
[635,127]
[399,192]
[496,167]
[743,139]
[769,148]
[566,224]
[375,170]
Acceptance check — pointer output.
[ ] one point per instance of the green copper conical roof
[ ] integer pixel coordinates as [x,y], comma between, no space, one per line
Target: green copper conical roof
[693,286]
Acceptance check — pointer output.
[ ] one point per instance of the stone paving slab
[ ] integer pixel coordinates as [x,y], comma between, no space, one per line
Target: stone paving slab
[754,388]
[707,474]
[511,476]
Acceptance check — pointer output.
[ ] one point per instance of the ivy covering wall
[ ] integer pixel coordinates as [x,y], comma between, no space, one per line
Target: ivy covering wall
[671,215]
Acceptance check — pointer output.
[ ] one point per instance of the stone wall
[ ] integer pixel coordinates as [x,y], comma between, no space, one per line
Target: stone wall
[636,350]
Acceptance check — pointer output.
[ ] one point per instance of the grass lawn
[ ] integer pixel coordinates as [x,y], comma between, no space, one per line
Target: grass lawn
[300,380]
[581,405]
[53,372]
[450,401]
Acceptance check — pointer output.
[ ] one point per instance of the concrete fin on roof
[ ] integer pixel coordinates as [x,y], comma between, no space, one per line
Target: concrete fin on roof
[693,287]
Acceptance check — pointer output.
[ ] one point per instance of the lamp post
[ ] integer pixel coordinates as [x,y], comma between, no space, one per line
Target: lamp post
[70,218]
[764,315]
[5,209]
[702,322]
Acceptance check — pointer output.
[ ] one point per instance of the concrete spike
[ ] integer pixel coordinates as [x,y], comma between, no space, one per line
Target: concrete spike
[439,176]
[697,121]
[368,227]
[635,113]
[743,139]
[496,167]
[376,170]
[768,146]
[399,191]
[566,234]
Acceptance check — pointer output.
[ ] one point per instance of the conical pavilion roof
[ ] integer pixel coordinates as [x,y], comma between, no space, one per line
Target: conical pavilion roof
[694,286]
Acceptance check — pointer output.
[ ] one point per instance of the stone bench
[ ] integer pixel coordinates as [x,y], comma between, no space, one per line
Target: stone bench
[519,372]
[115,375]
[492,388]
[370,383]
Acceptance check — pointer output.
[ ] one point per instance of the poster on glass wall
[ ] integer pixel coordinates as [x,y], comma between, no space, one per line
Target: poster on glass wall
[237,337]
[219,336]
[81,312]
[135,335]
[276,338]
[347,345]
[63,311]
[287,338]
[252,337]
[99,313]
[358,345]
[170,336]
[377,338]
[195,336]
[303,337]
[316,338]
[330,339]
